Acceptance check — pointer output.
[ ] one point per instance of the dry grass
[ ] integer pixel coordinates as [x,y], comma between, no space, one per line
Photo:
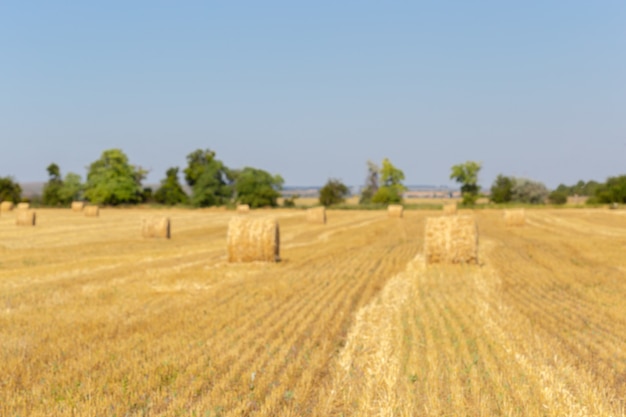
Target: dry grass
[243,208]
[25,217]
[316,215]
[451,240]
[253,239]
[515,218]
[395,210]
[156,227]
[6,206]
[449,209]
[91,211]
[78,206]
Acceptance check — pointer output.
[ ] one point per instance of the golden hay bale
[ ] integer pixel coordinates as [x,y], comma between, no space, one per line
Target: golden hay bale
[316,215]
[449,209]
[23,206]
[92,211]
[395,210]
[253,239]
[156,227]
[25,217]
[78,205]
[243,208]
[6,206]
[514,218]
[451,240]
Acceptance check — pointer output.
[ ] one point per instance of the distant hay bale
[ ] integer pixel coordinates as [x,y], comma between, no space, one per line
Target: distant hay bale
[395,210]
[25,217]
[92,211]
[449,209]
[6,206]
[23,206]
[253,239]
[451,240]
[514,218]
[243,208]
[78,206]
[156,227]
[316,215]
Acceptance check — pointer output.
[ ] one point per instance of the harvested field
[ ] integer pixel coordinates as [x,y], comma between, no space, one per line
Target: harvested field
[316,215]
[96,320]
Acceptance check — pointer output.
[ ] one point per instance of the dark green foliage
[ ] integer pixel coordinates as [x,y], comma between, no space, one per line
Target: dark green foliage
[502,189]
[613,191]
[333,192]
[171,191]
[290,201]
[529,191]
[257,188]
[71,189]
[52,188]
[112,180]
[467,175]
[371,183]
[209,179]
[10,190]
[558,197]
[581,188]
[391,190]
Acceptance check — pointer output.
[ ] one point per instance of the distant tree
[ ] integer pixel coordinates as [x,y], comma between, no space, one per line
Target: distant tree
[558,197]
[290,201]
[333,192]
[171,191]
[51,189]
[502,189]
[371,183]
[71,189]
[257,188]
[529,191]
[613,191]
[10,190]
[210,180]
[467,175]
[112,180]
[391,188]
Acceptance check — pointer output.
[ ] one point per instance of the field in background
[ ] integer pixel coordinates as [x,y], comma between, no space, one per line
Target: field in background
[96,320]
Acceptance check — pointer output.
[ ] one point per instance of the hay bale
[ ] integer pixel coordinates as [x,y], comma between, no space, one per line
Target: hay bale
[25,217]
[253,239]
[78,206]
[395,210]
[514,218]
[316,215]
[6,206]
[92,211]
[23,206]
[451,240]
[156,227]
[449,209]
[243,208]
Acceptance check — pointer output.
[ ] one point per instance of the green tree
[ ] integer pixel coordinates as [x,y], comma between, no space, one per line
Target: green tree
[529,191]
[257,188]
[467,175]
[613,191]
[52,188]
[558,197]
[112,180]
[10,190]
[71,189]
[502,189]
[333,192]
[371,183]
[171,191]
[210,180]
[391,188]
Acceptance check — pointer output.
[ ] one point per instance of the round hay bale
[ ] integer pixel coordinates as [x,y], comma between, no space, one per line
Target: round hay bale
[25,217]
[451,239]
[243,208]
[395,210]
[78,206]
[514,218]
[253,239]
[92,211]
[156,227]
[6,206]
[449,209]
[23,206]
[316,215]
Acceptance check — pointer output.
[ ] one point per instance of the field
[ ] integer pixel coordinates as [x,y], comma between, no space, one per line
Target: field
[97,321]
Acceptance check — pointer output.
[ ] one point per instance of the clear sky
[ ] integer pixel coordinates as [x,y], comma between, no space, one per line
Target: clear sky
[312,90]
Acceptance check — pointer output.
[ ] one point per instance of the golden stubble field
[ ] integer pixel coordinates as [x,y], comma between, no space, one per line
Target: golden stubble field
[97,321]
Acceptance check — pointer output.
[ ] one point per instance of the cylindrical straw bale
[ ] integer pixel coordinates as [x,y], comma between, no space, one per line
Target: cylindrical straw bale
[451,240]
[449,209]
[395,210]
[78,206]
[243,208]
[514,218]
[156,227]
[316,215]
[25,217]
[6,206]
[253,239]
[92,211]
[23,206]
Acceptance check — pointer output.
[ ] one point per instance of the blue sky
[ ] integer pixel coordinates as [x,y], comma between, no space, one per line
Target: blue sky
[314,90]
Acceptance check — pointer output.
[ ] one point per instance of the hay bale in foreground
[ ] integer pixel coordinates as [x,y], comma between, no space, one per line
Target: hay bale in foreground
[451,240]
[92,211]
[253,239]
[395,210]
[316,215]
[514,218]
[6,206]
[78,206]
[156,227]
[449,209]
[23,206]
[243,208]
[25,217]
